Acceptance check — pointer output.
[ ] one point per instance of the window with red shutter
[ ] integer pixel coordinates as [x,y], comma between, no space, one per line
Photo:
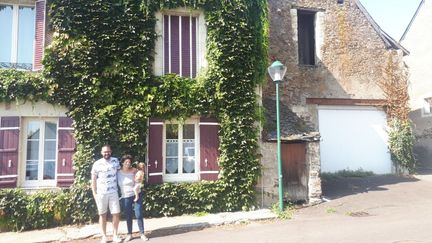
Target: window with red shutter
[180,45]
[9,142]
[17,25]
[39,36]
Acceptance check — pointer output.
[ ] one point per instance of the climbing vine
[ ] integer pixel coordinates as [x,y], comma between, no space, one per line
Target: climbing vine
[100,66]
[401,138]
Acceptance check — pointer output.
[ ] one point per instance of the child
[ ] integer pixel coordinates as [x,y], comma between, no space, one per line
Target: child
[139,178]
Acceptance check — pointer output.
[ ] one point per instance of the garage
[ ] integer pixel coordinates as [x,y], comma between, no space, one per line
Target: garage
[353,138]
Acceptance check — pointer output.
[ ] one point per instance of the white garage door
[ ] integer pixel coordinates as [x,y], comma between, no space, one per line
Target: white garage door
[354,138]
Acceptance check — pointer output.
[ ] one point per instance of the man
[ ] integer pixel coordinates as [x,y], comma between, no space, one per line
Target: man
[104,187]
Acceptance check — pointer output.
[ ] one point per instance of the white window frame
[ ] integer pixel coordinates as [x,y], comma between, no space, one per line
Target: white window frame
[180,177]
[15,22]
[201,36]
[40,182]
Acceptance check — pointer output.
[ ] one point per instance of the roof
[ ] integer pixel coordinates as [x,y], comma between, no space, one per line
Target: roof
[412,20]
[387,39]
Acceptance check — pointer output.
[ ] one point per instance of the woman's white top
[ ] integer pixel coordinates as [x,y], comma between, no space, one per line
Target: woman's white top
[126,183]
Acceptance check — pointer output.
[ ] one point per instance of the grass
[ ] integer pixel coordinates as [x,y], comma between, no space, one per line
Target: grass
[287,213]
[331,210]
[346,173]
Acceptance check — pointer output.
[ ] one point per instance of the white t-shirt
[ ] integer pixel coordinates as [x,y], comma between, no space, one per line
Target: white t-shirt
[126,183]
[106,175]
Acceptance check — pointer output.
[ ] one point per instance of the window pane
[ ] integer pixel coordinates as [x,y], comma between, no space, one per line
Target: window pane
[188,155]
[33,130]
[171,131]
[6,33]
[31,170]
[50,130]
[49,170]
[172,147]
[171,165]
[50,150]
[32,150]
[26,34]
[189,131]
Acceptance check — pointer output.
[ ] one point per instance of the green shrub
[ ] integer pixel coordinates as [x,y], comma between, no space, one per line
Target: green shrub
[13,211]
[401,143]
[40,210]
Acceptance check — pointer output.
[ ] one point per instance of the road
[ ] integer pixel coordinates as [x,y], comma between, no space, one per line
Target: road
[375,210]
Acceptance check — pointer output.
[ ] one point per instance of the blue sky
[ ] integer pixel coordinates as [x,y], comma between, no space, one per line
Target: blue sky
[392,16]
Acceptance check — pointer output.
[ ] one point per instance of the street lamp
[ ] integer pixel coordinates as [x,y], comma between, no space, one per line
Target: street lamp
[277,72]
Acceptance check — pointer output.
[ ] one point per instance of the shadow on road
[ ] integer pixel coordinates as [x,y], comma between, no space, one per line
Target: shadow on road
[337,187]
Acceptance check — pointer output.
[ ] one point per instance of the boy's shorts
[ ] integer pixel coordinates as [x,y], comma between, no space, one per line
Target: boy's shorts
[105,201]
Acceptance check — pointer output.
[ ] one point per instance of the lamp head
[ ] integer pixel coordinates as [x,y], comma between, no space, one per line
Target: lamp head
[277,71]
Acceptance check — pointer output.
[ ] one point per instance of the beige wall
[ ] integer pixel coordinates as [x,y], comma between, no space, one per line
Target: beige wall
[418,41]
[36,109]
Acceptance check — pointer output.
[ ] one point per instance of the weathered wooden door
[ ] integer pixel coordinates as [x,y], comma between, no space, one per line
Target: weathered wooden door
[294,170]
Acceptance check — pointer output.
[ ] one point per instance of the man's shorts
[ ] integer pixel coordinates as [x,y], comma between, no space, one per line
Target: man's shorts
[105,201]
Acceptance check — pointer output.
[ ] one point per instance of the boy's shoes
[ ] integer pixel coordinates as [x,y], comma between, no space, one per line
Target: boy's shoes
[144,238]
[116,239]
[128,238]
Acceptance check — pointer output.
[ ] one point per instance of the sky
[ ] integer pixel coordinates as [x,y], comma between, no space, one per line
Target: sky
[393,16]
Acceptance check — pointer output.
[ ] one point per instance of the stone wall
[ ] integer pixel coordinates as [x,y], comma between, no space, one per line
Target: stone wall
[350,56]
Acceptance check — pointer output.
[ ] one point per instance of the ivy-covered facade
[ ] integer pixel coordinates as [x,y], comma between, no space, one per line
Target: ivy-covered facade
[171,82]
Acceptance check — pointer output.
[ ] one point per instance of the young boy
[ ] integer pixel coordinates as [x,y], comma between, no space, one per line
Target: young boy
[139,178]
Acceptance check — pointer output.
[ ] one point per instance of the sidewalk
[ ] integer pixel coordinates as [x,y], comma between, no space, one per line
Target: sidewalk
[154,226]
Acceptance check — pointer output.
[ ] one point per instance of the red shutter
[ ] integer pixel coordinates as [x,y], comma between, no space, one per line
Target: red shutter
[175,44]
[209,149]
[194,47]
[166,44]
[155,163]
[66,149]
[185,46]
[39,35]
[9,142]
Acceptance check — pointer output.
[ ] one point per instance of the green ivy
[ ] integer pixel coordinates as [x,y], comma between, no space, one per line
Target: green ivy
[100,66]
[401,143]
[22,85]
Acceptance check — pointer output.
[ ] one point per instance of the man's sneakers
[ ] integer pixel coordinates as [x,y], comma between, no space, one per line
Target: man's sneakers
[116,239]
[144,238]
[103,239]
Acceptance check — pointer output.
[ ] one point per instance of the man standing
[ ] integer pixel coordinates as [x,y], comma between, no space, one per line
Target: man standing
[104,187]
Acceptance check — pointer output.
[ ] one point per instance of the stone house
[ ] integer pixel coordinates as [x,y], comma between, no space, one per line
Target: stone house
[332,106]
[417,38]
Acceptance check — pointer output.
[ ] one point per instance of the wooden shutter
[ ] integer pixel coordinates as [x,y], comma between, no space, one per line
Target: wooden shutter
[9,142]
[39,35]
[209,149]
[180,45]
[65,152]
[155,163]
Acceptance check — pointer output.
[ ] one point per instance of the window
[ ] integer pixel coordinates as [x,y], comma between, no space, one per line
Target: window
[427,104]
[306,37]
[17,25]
[180,45]
[180,151]
[40,152]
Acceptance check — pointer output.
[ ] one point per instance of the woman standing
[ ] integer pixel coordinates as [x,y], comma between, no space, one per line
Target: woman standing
[125,178]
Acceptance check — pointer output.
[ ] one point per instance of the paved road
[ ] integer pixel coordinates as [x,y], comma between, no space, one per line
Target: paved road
[373,209]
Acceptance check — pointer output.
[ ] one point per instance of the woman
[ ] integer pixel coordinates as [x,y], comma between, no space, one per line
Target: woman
[125,179]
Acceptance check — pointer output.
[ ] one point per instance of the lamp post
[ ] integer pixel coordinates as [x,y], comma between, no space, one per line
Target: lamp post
[277,72]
